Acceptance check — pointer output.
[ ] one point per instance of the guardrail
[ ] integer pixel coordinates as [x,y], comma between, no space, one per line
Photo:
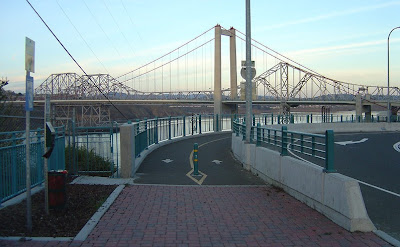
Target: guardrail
[13,160]
[320,147]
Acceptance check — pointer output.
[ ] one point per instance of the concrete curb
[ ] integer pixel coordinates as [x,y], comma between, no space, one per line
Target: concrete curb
[387,238]
[87,229]
[26,239]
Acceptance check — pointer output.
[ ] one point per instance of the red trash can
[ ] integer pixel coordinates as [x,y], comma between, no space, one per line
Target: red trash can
[57,191]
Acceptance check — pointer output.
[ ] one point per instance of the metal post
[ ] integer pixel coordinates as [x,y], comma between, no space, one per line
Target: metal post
[156,131]
[195,160]
[258,143]
[199,124]
[184,126]
[45,168]
[389,112]
[248,72]
[329,152]
[28,170]
[169,128]
[284,141]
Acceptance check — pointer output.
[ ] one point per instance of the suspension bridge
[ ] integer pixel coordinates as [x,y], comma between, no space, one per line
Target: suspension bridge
[201,72]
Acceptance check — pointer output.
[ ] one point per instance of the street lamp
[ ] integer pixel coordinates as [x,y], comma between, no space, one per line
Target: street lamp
[389,113]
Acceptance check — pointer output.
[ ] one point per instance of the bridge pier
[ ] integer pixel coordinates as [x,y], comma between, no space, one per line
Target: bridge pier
[363,108]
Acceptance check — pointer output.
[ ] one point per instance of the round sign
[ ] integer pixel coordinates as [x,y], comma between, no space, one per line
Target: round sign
[243,72]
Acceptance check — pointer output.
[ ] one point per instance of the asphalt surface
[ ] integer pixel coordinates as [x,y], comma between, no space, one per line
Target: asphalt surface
[372,159]
[376,163]
[170,164]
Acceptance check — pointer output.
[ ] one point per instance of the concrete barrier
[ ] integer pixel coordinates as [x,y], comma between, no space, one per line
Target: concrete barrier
[336,196]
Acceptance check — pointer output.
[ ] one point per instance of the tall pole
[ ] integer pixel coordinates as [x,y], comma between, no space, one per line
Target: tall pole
[389,111]
[248,74]
[28,170]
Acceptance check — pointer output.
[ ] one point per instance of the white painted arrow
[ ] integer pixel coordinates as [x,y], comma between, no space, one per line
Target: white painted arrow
[167,161]
[396,146]
[352,142]
[217,162]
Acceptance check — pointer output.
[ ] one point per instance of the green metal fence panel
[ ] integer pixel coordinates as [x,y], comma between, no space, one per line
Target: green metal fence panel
[13,160]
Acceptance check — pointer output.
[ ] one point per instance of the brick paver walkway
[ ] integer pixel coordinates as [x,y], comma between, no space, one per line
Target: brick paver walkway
[145,215]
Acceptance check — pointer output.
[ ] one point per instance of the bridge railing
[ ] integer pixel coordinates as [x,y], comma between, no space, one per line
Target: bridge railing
[306,146]
[13,160]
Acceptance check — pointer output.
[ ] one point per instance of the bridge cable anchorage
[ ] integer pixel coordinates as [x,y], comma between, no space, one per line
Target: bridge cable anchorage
[165,54]
[55,36]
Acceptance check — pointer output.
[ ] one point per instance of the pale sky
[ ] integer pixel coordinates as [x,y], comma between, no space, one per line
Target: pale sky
[343,40]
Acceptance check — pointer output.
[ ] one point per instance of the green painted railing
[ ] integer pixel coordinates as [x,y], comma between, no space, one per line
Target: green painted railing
[316,146]
[13,160]
[152,131]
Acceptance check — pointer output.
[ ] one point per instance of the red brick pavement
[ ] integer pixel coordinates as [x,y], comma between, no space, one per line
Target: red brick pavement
[213,216]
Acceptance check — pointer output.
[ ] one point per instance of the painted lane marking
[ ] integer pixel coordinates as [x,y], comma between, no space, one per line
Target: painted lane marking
[352,142]
[199,182]
[378,188]
[167,161]
[361,182]
[396,146]
[217,162]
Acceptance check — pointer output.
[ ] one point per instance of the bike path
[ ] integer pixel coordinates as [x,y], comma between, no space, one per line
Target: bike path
[171,164]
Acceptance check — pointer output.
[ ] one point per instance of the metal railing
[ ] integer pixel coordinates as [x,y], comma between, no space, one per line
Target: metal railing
[270,119]
[152,131]
[315,146]
[13,160]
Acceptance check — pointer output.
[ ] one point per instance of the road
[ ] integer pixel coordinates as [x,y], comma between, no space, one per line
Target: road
[374,162]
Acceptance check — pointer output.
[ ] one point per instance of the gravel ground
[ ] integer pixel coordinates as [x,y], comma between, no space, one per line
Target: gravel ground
[82,202]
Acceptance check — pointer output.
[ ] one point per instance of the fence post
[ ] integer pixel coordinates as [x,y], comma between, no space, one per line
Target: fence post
[272,119]
[244,129]
[284,141]
[216,124]
[254,120]
[195,160]
[14,164]
[156,131]
[310,118]
[184,126]
[169,128]
[258,135]
[329,152]
[147,134]
[199,124]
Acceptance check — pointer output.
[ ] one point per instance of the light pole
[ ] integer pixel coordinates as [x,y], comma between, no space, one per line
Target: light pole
[248,73]
[389,111]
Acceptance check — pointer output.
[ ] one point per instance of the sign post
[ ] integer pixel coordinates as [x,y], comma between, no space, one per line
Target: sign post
[45,169]
[29,67]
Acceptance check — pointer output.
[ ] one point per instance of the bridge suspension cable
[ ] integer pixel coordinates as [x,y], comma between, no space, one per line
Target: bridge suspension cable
[76,62]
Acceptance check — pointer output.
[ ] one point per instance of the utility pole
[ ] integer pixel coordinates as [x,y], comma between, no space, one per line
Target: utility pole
[249,101]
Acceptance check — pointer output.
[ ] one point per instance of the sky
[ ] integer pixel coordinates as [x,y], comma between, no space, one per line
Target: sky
[343,40]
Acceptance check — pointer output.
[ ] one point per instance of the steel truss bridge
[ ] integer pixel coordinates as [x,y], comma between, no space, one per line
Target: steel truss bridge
[283,82]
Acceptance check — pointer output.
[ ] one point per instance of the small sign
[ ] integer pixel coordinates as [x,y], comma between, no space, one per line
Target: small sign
[29,93]
[29,55]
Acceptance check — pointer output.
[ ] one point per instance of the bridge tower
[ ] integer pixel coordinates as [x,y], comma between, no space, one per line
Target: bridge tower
[231,33]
